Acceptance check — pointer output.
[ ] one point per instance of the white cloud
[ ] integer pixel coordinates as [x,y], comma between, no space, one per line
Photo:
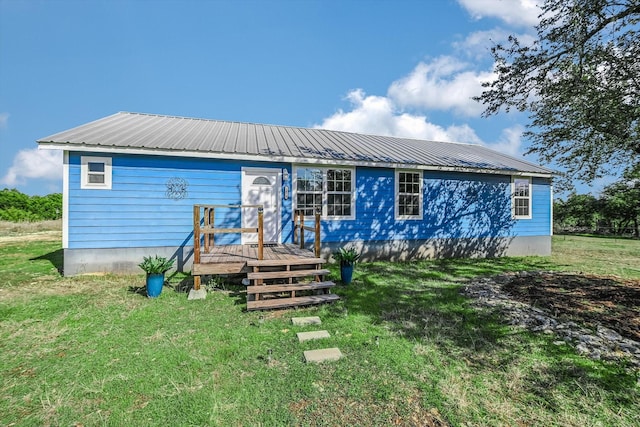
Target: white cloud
[379,115]
[445,83]
[513,12]
[477,45]
[510,141]
[34,163]
[4,120]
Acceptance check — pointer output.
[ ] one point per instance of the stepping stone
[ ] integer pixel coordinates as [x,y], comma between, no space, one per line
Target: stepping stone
[322,355]
[314,335]
[302,321]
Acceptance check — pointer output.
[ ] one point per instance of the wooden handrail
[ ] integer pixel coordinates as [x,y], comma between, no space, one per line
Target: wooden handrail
[299,227]
[209,231]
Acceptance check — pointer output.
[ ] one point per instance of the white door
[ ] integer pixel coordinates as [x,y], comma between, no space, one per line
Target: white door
[261,187]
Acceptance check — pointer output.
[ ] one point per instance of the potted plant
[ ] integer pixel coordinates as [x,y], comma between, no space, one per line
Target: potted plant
[155,267]
[346,257]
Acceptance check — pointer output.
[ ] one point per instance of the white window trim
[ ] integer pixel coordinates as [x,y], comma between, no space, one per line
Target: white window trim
[396,191]
[325,193]
[513,197]
[84,173]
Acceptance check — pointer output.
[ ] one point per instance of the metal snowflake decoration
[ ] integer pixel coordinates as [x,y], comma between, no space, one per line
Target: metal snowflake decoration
[177,188]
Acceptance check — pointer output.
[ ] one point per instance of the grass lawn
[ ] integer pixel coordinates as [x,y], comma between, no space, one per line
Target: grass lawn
[93,351]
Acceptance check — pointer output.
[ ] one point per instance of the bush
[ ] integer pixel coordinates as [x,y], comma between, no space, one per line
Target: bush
[18,207]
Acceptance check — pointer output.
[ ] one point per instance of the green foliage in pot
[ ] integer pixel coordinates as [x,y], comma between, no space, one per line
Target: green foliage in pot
[156,264]
[346,256]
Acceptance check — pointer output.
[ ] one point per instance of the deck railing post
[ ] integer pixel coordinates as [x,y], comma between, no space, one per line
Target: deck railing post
[317,237]
[260,232]
[302,230]
[206,229]
[212,236]
[196,243]
[295,226]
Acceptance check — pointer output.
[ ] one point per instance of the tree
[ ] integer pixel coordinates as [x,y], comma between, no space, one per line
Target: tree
[15,206]
[579,211]
[621,203]
[580,83]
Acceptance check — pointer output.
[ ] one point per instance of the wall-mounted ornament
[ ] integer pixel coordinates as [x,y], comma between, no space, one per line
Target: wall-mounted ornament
[177,188]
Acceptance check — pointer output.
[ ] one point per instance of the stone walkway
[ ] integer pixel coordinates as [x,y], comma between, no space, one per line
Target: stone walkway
[603,343]
[319,355]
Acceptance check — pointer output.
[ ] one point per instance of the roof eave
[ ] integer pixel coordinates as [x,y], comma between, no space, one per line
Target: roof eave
[50,145]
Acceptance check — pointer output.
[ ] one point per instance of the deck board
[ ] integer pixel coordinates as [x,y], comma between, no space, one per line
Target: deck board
[233,258]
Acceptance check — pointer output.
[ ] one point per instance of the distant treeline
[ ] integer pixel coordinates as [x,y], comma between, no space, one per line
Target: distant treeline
[17,207]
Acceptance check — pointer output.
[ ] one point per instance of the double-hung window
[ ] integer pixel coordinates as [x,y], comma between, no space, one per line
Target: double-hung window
[95,172]
[521,197]
[408,194]
[329,189]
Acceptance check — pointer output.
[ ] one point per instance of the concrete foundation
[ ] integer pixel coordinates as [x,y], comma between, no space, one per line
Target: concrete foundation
[126,260]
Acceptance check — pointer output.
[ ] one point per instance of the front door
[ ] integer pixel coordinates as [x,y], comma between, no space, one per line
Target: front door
[261,187]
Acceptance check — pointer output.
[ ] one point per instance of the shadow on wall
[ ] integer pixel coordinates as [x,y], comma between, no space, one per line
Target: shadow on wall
[461,218]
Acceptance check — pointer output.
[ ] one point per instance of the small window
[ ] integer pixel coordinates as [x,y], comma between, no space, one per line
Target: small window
[408,195]
[96,172]
[261,180]
[521,197]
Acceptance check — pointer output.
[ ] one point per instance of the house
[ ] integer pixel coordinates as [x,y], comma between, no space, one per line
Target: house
[131,181]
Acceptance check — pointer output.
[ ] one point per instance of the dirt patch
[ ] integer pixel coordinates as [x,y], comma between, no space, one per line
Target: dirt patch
[42,236]
[343,411]
[586,299]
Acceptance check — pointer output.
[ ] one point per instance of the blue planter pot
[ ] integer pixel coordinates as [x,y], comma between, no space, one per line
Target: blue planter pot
[154,285]
[346,273]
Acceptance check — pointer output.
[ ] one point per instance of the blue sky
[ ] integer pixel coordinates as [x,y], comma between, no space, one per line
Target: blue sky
[404,68]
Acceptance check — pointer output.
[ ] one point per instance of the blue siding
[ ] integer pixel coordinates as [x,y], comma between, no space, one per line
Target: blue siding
[455,205]
[136,212]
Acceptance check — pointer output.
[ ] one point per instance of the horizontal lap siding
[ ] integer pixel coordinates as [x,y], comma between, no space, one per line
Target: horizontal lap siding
[137,212]
[455,205]
[540,222]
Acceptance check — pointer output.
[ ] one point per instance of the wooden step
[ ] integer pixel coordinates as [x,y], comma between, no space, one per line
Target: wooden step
[218,268]
[288,288]
[291,302]
[286,274]
[284,262]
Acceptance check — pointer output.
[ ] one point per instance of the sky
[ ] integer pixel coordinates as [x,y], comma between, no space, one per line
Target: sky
[402,68]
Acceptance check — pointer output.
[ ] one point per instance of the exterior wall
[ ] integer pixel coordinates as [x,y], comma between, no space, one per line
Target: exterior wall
[464,214]
[457,207]
[138,215]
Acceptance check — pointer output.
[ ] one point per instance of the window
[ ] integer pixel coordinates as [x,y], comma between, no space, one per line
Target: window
[96,172]
[408,195]
[338,192]
[521,191]
[261,180]
[330,189]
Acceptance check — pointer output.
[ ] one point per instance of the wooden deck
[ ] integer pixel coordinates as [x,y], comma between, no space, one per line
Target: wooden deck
[230,259]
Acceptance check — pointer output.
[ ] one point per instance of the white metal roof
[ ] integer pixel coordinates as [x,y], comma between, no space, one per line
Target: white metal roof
[183,136]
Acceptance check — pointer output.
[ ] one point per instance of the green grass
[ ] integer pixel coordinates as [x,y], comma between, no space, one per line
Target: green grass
[92,351]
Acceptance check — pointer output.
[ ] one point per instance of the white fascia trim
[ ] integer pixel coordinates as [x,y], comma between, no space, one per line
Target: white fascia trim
[551,210]
[285,159]
[65,200]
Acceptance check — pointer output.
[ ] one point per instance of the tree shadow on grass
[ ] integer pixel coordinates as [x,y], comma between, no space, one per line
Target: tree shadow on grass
[421,302]
[56,258]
